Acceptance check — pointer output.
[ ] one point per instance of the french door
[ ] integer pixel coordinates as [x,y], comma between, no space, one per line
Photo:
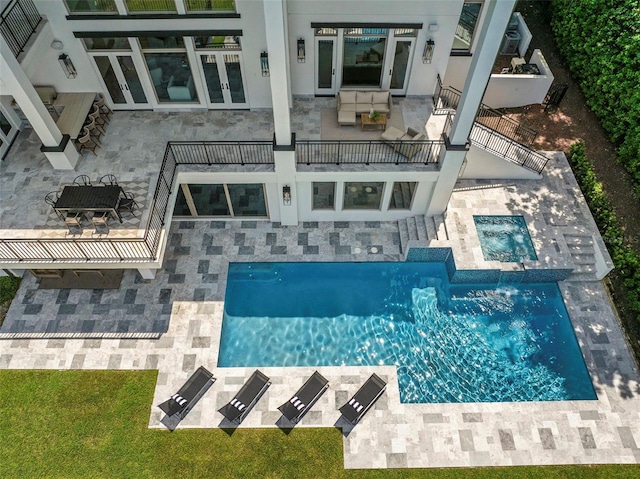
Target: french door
[326,58]
[222,73]
[121,80]
[398,69]
[8,131]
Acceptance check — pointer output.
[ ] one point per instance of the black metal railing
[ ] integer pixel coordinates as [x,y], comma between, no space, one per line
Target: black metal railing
[18,21]
[105,250]
[341,152]
[448,98]
[507,148]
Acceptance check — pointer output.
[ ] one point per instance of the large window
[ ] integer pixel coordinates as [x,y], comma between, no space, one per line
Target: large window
[106,43]
[210,5]
[171,77]
[324,194]
[363,56]
[402,195]
[466,27]
[150,5]
[362,195]
[221,200]
[91,6]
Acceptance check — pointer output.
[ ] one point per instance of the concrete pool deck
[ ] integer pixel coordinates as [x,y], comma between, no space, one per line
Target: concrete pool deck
[185,304]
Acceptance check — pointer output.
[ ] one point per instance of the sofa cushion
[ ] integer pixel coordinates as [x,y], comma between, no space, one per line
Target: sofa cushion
[348,107]
[391,134]
[381,97]
[381,107]
[364,97]
[347,97]
[406,137]
[420,136]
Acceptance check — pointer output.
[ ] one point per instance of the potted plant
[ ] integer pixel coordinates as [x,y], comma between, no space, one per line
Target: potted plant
[374,115]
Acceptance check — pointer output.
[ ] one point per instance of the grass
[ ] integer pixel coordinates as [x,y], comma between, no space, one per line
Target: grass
[93,424]
[8,289]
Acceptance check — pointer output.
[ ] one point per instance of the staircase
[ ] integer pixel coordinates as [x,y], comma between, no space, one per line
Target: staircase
[421,231]
[492,131]
[583,253]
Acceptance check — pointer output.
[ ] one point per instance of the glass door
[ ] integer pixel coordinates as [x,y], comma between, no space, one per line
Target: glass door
[221,200]
[8,132]
[398,78]
[121,80]
[325,80]
[223,77]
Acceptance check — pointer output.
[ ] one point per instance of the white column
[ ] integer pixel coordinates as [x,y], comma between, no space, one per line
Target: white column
[58,149]
[496,18]
[147,273]
[274,21]
[286,174]
[491,31]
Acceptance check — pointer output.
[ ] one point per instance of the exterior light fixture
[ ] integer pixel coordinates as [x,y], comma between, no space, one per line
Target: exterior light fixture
[67,66]
[427,55]
[264,64]
[301,52]
[286,195]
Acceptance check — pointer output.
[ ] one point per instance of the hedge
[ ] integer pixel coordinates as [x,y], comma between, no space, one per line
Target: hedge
[600,42]
[625,259]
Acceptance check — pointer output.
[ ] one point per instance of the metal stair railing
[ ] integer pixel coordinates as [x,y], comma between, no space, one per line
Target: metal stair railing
[18,21]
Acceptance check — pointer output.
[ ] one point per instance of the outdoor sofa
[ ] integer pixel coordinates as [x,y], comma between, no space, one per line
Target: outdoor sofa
[352,103]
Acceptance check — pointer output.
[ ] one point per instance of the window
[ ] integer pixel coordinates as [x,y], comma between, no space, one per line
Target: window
[151,43]
[326,32]
[324,195]
[221,200]
[362,195]
[91,6]
[466,26]
[218,42]
[363,56]
[402,195]
[106,43]
[171,76]
[210,5]
[151,5]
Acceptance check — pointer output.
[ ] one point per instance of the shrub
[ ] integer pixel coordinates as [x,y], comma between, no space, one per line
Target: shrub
[600,41]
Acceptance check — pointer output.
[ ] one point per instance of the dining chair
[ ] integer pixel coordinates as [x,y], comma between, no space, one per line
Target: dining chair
[82,180]
[127,202]
[73,220]
[51,199]
[85,142]
[100,222]
[108,180]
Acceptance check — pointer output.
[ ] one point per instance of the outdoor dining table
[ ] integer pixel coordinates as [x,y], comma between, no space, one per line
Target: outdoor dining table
[85,199]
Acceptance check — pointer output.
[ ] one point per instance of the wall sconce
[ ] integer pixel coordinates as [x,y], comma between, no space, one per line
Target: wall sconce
[301,52]
[286,195]
[427,55]
[67,66]
[264,64]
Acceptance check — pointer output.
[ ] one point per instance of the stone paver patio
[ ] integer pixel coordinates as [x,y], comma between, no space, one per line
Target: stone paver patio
[185,303]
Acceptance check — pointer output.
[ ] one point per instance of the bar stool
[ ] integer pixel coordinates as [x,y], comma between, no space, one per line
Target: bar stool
[85,142]
[102,105]
[99,118]
[94,131]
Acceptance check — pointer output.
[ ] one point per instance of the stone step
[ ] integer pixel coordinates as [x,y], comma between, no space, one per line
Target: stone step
[580,249]
[574,239]
[441,229]
[412,228]
[423,237]
[431,228]
[404,235]
[584,268]
[583,258]
[581,277]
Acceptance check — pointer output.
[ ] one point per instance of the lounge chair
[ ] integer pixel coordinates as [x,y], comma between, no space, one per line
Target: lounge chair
[189,394]
[304,399]
[362,401]
[237,409]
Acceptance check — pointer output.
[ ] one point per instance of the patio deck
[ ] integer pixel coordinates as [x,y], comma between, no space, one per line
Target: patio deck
[187,298]
[133,149]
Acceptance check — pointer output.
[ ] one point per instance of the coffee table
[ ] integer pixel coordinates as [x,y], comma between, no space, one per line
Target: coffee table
[370,124]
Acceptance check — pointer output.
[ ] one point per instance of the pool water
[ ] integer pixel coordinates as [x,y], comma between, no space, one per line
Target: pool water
[449,342]
[504,238]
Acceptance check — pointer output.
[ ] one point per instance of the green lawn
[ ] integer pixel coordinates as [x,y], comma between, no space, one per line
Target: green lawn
[93,424]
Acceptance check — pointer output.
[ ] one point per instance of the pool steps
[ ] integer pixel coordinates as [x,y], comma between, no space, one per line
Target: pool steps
[419,231]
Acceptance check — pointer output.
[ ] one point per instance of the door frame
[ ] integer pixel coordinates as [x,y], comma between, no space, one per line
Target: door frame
[336,75]
[129,103]
[390,61]
[224,79]
[8,138]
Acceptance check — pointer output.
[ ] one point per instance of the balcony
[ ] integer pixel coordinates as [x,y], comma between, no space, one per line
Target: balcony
[18,23]
[135,151]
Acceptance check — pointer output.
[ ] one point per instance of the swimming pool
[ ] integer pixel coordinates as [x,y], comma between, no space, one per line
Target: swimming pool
[449,342]
[504,238]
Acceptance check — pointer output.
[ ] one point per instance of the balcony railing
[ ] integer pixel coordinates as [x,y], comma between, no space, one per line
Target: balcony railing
[18,21]
[105,250]
[340,152]
[448,98]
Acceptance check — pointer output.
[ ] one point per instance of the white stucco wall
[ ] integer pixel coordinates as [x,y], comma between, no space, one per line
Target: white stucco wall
[509,91]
